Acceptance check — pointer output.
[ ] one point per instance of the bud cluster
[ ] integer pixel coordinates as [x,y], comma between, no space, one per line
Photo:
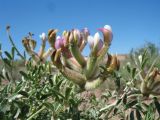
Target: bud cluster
[150,84]
[30,44]
[67,57]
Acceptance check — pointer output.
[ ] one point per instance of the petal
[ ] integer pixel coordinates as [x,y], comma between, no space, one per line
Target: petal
[58,37]
[59,42]
[71,38]
[90,41]
[76,34]
[64,41]
[100,44]
[108,36]
[108,27]
[96,39]
[85,31]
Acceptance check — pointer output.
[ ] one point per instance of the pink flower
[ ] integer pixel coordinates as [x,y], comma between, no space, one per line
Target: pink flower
[100,44]
[59,43]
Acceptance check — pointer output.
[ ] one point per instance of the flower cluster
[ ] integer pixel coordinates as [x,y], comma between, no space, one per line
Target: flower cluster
[30,45]
[150,83]
[67,55]
[68,58]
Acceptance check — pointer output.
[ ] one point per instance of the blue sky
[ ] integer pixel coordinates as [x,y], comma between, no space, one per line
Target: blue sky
[133,22]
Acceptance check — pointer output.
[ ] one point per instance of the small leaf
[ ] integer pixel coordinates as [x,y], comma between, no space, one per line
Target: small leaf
[1,76]
[118,101]
[18,88]
[139,108]
[49,105]
[8,55]
[57,93]
[131,115]
[24,93]
[24,54]
[45,96]
[157,105]
[115,110]
[13,44]
[144,55]
[118,82]
[124,99]
[51,81]
[13,97]
[13,52]
[24,74]
[133,72]
[7,76]
[24,110]
[67,93]
[2,116]
[138,115]
[130,104]
[144,63]
[59,83]
[17,113]
[128,68]
[6,61]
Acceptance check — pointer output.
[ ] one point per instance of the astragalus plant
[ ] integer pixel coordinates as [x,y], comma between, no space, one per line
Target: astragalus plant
[88,72]
[143,65]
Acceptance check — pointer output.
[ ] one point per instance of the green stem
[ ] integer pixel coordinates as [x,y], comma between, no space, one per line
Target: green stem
[108,106]
[37,112]
[41,51]
[94,83]
[10,39]
[71,64]
[77,54]
[91,66]
[102,52]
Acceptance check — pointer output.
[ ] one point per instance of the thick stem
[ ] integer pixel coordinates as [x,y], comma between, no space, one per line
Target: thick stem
[48,53]
[94,83]
[72,64]
[91,66]
[82,45]
[76,77]
[41,51]
[102,52]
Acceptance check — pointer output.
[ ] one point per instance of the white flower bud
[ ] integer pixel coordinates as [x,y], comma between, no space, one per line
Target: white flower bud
[43,36]
[96,39]
[91,41]
[108,27]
